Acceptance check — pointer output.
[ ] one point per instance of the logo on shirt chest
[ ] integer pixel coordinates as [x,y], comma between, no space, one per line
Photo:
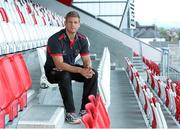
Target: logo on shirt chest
[74,52]
[77,52]
[64,52]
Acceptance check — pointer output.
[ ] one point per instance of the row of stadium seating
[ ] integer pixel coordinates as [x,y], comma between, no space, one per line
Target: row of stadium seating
[97,116]
[152,66]
[15,81]
[148,101]
[168,92]
[24,25]
[104,77]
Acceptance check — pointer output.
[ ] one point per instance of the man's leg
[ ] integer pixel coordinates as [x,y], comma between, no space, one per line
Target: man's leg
[64,81]
[65,88]
[90,86]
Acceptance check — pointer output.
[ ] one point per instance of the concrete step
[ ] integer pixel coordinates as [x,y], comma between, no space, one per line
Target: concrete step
[42,116]
[140,70]
[30,95]
[138,63]
[138,66]
[137,57]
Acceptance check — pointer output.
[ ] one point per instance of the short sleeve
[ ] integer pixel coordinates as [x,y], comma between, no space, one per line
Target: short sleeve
[54,48]
[85,48]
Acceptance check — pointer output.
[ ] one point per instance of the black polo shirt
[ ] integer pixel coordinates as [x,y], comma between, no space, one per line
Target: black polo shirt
[60,45]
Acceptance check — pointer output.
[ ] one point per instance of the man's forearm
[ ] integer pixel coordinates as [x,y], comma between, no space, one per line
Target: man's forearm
[69,68]
[87,64]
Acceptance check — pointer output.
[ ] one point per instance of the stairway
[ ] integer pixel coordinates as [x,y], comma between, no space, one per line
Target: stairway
[124,110]
[138,64]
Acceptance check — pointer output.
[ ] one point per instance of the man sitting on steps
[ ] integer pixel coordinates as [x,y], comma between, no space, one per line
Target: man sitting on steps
[62,49]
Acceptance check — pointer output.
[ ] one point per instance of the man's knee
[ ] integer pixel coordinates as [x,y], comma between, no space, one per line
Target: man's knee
[66,76]
[65,79]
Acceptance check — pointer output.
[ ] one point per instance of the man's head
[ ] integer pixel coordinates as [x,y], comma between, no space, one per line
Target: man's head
[72,21]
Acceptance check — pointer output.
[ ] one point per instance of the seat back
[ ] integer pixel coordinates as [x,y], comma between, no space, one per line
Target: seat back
[13,80]
[157,122]
[2,119]
[161,116]
[177,100]
[98,110]
[88,121]
[103,111]
[92,99]
[22,70]
[90,108]
[5,96]
[98,120]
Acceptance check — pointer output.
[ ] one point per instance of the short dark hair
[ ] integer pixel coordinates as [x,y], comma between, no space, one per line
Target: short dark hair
[72,14]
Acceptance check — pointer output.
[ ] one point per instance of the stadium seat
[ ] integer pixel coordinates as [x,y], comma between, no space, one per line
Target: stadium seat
[137,85]
[172,103]
[22,70]
[161,117]
[88,121]
[177,100]
[100,108]
[92,99]
[96,115]
[177,87]
[8,102]
[13,80]
[145,101]
[163,91]
[2,119]
[103,112]
[156,122]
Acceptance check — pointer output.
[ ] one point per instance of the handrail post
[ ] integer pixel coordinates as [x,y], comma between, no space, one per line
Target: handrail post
[165,62]
[140,49]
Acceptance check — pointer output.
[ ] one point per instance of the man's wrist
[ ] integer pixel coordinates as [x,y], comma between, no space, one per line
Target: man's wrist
[87,66]
[79,70]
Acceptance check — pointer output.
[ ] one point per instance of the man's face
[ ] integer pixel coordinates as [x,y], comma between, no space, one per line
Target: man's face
[72,24]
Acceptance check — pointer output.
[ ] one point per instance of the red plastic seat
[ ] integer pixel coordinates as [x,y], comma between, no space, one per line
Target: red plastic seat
[177,99]
[8,104]
[92,99]
[2,119]
[3,14]
[98,121]
[103,112]
[98,108]
[22,70]
[88,121]
[13,80]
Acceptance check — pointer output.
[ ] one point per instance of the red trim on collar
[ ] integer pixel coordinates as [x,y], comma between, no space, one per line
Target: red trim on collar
[56,54]
[84,54]
[72,43]
[81,36]
[61,37]
[48,49]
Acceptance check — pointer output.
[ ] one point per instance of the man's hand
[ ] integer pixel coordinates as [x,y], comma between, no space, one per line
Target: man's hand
[87,72]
